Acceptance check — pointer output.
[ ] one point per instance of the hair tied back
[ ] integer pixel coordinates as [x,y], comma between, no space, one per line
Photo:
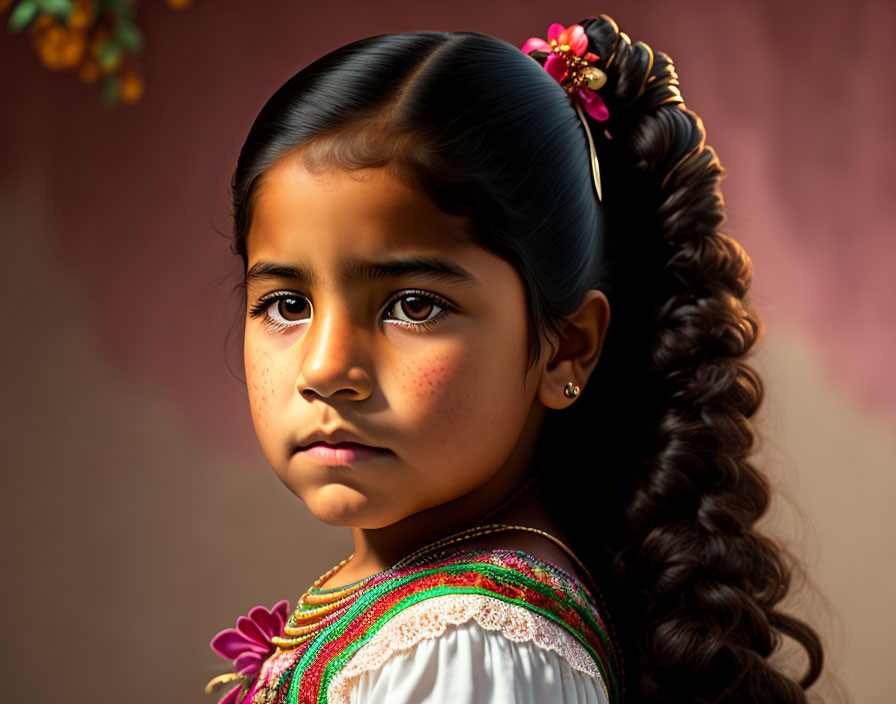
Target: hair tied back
[566,58]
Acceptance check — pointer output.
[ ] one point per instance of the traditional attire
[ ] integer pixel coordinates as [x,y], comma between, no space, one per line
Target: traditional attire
[489,627]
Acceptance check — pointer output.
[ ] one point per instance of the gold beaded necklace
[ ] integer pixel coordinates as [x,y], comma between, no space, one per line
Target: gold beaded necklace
[315,605]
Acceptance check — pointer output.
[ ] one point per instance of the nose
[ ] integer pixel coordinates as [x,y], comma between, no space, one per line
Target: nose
[335,359]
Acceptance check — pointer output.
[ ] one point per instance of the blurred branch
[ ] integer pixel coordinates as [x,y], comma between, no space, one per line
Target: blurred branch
[96,38]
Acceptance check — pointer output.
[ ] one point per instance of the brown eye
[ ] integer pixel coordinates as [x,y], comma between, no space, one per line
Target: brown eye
[291,309]
[283,311]
[416,307]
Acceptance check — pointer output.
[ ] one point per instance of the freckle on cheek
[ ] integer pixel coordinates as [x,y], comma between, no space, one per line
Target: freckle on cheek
[428,378]
[261,386]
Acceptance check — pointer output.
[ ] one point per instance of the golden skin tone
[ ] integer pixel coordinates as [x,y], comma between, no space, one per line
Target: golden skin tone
[452,400]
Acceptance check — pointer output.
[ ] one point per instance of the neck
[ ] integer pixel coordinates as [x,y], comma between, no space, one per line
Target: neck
[511,495]
[382,547]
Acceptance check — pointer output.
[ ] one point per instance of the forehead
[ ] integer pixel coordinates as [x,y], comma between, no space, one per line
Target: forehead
[336,213]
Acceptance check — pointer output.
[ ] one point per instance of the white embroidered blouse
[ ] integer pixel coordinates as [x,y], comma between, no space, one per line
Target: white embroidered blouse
[469,649]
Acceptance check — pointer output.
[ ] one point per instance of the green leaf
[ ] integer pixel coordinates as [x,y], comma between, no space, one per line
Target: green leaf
[122,8]
[23,13]
[110,90]
[129,36]
[108,54]
[56,7]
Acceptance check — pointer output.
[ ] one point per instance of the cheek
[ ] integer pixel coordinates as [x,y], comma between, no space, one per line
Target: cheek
[263,380]
[428,379]
[434,383]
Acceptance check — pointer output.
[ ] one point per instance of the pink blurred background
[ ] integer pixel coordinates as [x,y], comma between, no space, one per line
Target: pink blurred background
[139,515]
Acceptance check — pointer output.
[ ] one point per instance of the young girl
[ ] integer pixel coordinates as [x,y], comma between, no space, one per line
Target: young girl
[548,503]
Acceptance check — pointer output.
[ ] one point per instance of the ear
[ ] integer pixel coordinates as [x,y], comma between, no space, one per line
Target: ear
[572,356]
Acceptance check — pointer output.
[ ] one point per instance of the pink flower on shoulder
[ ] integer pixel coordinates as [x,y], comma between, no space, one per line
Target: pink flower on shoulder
[565,47]
[249,644]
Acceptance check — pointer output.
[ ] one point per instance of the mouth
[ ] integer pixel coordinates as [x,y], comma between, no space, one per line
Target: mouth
[342,453]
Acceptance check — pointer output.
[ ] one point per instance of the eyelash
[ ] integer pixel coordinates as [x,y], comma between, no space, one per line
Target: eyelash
[265,302]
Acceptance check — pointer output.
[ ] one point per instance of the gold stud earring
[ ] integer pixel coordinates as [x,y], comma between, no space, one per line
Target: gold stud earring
[571,390]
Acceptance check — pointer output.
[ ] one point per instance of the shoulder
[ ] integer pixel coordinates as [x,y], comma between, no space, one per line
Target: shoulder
[469,648]
[533,545]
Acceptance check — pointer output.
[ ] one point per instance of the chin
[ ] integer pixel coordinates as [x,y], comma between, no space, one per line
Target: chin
[354,522]
[340,505]
[365,517]
[347,518]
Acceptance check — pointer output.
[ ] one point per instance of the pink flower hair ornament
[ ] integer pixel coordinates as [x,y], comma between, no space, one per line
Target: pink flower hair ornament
[248,645]
[569,62]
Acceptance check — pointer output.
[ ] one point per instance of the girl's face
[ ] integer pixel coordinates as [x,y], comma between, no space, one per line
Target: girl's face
[369,310]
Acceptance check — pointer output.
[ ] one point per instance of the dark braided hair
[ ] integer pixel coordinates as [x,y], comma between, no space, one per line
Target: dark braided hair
[661,502]
[693,583]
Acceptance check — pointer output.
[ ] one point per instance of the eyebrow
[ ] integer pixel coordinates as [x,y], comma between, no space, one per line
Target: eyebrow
[362,270]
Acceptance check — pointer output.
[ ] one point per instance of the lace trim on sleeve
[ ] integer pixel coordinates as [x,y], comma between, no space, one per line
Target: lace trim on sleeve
[429,619]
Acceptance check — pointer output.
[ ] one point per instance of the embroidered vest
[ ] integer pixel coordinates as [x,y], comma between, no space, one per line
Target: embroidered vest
[301,674]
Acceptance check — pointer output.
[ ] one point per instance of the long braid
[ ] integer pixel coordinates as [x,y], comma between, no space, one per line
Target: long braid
[695,584]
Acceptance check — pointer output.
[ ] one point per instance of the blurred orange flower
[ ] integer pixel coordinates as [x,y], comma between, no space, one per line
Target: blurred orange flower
[130,87]
[59,48]
[82,14]
[90,70]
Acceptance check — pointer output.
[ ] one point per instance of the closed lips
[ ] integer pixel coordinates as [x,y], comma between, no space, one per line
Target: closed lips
[339,444]
[343,446]
[335,438]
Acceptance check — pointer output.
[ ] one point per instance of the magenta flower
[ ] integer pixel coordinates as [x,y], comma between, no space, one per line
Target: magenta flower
[566,49]
[249,644]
